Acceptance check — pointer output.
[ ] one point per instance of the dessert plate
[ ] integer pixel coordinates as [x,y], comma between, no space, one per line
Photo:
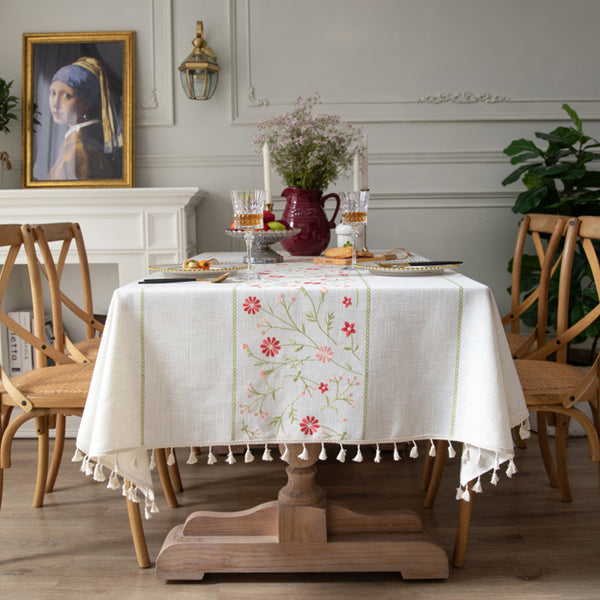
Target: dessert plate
[175,270]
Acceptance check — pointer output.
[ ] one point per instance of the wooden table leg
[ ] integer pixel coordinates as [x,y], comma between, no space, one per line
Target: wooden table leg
[300,532]
[137,533]
[165,480]
[462,529]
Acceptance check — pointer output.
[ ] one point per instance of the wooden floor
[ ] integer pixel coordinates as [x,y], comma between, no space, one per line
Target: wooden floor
[524,542]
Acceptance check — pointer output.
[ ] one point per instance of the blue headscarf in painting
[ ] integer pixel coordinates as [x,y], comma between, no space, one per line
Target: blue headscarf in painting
[86,76]
[83,81]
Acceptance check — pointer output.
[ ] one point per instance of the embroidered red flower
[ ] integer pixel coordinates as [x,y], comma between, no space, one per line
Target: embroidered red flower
[309,425]
[252,305]
[323,388]
[347,301]
[270,346]
[324,354]
[348,328]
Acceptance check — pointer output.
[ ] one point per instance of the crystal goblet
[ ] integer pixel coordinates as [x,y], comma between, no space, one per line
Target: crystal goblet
[354,206]
[248,206]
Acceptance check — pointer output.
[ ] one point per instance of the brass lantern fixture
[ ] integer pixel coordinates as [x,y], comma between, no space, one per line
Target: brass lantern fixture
[199,71]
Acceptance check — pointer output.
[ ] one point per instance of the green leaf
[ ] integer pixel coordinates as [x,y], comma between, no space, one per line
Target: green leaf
[521,158]
[588,196]
[588,156]
[531,180]
[567,137]
[591,179]
[552,171]
[529,200]
[591,292]
[575,174]
[574,117]
[516,174]
[521,145]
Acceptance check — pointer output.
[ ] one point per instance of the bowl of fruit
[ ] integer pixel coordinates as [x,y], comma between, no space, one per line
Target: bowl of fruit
[273,231]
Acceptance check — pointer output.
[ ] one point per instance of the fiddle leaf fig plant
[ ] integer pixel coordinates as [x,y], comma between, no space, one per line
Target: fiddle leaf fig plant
[558,180]
[7,105]
[556,175]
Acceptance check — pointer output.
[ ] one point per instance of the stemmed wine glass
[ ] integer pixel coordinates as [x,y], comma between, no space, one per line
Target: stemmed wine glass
[354,213]
[248,206]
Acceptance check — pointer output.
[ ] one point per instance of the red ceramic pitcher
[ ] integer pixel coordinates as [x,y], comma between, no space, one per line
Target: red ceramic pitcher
[305,210]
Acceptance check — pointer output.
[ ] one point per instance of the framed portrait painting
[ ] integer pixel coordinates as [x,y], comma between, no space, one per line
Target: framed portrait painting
[78,109]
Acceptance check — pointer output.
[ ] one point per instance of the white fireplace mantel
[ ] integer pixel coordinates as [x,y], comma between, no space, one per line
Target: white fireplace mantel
[130,227]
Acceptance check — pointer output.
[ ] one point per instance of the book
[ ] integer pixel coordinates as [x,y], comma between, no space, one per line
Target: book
[25,317]
[4,356]
[49,331]
[20,353]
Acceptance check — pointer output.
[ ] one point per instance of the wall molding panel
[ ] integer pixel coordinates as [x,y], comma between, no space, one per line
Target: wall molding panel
[479,69]
[154,87]
[192,161]
[440,200]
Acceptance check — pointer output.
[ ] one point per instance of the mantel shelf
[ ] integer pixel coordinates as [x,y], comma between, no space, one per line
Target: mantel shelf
[132,227]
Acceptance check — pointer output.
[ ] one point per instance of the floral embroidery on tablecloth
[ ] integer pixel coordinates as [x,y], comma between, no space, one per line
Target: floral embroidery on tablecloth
[288,341]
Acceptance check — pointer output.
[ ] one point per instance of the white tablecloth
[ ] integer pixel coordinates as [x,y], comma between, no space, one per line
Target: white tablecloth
[309,353]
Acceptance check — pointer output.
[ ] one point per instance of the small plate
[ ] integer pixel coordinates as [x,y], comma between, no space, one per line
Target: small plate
[175,270]
[401,268]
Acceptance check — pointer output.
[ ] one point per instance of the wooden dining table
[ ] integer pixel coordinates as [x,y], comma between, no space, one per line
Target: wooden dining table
[307,362]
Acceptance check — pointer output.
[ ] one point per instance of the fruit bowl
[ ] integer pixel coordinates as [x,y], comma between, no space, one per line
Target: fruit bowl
[261,243]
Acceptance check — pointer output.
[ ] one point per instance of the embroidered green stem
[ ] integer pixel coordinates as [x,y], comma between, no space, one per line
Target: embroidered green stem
[234,347]
[367,343]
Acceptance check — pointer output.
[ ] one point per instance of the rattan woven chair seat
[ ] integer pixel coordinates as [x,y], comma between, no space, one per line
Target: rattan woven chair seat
[545,382]
[89,347]
[50,384]
[516,340]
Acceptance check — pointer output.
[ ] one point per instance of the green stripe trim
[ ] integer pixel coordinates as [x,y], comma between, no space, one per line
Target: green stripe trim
[461,293]
[234,346]
[366,367]
[142,371]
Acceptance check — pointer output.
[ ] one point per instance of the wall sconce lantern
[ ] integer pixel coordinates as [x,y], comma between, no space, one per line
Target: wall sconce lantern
[199,71]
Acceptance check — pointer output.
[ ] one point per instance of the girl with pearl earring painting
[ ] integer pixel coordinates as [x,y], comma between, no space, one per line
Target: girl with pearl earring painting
[79,99]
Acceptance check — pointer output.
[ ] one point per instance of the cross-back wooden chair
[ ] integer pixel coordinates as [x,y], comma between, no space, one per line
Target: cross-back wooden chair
[563,234]
[552,387]
[45,391]
[60,237]
[547,234]
[48,391]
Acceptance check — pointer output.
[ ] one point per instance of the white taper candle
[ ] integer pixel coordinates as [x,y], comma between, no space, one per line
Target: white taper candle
[267,172]
[365,164]
[356,173]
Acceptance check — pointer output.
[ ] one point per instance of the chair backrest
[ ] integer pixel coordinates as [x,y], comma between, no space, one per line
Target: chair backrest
[11,240]
[547,233]
[63,235]
[583,231]
[38,338]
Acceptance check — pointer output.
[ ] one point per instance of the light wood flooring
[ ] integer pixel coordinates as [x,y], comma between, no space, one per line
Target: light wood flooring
[524,542]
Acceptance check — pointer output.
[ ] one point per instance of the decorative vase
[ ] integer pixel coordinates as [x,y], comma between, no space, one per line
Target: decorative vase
[305,210]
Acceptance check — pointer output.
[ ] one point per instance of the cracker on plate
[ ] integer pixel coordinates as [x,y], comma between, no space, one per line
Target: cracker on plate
[345,252]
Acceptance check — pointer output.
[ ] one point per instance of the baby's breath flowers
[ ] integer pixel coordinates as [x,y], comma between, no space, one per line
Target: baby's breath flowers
[309,151]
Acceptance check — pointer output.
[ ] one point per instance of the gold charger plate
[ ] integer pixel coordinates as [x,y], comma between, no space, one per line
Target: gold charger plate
[175,270]
[402,268]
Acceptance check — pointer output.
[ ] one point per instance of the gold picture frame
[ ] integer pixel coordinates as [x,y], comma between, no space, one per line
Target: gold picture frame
[78,109]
